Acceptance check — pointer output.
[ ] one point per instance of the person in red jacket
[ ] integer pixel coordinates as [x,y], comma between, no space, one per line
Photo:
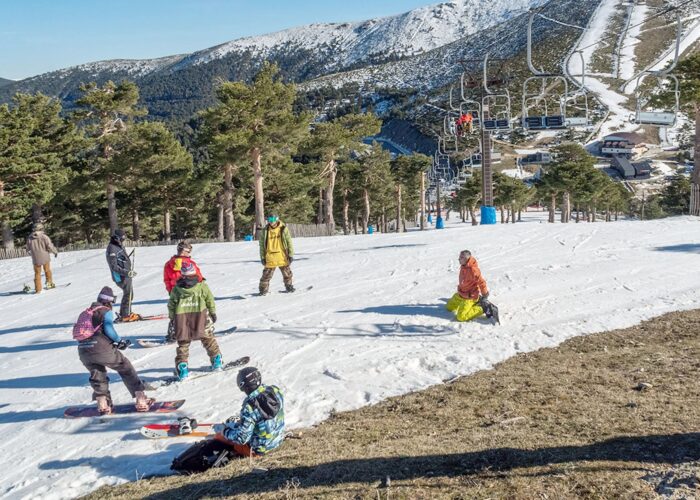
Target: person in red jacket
[173,271]
[472,291]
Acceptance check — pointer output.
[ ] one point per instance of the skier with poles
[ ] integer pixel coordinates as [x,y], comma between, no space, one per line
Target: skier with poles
[471,299]
[172,273]
[276,250]
[191,304]
[123,273]
[99,348]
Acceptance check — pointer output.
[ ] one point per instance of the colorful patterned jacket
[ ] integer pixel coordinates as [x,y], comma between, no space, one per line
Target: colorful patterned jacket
[261,423]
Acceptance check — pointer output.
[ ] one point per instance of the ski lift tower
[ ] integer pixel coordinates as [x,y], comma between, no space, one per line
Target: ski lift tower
[495,116]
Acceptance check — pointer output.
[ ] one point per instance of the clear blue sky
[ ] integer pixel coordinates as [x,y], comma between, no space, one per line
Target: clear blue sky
[37,36]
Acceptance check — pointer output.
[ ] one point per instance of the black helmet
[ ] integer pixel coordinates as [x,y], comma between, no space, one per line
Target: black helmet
[119,234]
[183,245]
[248,379]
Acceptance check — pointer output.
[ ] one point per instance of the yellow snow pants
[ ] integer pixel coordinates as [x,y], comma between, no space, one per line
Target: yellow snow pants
[464,309]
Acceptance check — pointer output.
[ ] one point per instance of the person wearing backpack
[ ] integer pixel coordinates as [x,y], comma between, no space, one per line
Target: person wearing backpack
[172,272]
[99,348]
[190,305]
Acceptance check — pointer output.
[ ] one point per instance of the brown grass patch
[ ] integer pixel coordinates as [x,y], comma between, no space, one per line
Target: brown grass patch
[564,422]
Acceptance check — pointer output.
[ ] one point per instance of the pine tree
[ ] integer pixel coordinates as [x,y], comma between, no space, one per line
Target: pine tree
[106,114]
[36,145]
[258,119]
[332,141]
[675,195]
[407,171]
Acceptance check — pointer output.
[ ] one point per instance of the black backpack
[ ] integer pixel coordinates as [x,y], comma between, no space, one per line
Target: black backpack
[201,456]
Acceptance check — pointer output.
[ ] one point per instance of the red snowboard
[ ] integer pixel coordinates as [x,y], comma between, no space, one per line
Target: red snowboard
[91,411]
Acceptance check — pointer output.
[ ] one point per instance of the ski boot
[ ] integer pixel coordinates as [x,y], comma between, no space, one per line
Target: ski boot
[27,288]
[290,288]
[104,405]
[130,318]
[143,403]
[182,371]
[187,425]
[50,285]
[217,364]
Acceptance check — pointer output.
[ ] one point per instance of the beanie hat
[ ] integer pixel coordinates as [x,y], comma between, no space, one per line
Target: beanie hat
[38,226]
[119,234]
[106,295]
[188,269]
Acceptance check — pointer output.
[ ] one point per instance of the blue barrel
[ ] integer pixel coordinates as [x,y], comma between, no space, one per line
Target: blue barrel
[248,237]
[370,229]
[440,224]
[488,215]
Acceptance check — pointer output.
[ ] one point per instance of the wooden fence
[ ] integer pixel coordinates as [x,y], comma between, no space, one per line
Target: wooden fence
[297,231]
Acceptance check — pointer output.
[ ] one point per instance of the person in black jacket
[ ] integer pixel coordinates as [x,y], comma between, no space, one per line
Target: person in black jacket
[122,274]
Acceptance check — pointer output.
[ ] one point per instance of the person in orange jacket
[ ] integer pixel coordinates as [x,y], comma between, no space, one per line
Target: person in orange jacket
[173,271]
[472,291]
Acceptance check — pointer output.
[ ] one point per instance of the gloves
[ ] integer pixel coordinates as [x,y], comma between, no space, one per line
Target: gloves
[291,259]
[485,296]
[262,261]
[123,344]
[218,428]
[213,317]
[55,255]
[131,274]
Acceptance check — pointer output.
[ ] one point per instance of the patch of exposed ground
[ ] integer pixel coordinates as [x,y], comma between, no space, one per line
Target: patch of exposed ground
[609,415]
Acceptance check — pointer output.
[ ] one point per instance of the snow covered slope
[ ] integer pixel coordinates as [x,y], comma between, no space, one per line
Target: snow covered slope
[372,326]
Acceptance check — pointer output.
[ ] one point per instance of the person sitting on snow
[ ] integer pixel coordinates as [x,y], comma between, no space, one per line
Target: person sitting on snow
[472,292]
[260,426]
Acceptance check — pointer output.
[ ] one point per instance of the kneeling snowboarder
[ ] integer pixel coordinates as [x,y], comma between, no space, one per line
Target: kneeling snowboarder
[99,348]
[471,299]
[258,429]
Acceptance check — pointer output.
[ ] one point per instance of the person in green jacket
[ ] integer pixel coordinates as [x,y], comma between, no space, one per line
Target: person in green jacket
[190,306]
[276,250]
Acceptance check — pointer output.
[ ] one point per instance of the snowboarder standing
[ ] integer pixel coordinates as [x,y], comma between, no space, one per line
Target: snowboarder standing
[276,250]
[260,426]
[190,304]
[39,246]
[122,274]
[471,291]
[172,273]
[99,348]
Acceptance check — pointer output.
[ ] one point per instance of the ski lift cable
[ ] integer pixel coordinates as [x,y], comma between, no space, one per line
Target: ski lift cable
[660,13]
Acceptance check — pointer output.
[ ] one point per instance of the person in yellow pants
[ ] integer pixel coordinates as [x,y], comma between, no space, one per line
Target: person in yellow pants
[465,303]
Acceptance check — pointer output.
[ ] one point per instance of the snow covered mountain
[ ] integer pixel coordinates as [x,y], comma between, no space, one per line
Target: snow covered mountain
[303,53]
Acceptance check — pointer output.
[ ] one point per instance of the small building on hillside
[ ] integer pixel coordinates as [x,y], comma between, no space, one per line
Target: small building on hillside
[626,144]
[629,170]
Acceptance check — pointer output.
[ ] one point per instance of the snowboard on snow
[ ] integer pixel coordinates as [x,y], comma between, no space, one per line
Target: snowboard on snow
[491,312]
[29,290]
[143,318]
[91,411]
[199,372]
[297,290]
[184,427]
[158,343]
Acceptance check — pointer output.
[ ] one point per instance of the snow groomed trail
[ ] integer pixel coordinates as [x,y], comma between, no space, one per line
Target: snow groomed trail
[372,326]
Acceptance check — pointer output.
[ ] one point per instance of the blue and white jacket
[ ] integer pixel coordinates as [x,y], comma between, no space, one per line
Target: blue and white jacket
[261,422]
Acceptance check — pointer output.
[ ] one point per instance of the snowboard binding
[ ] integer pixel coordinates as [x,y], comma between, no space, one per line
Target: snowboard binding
[490,310]
[187,425]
